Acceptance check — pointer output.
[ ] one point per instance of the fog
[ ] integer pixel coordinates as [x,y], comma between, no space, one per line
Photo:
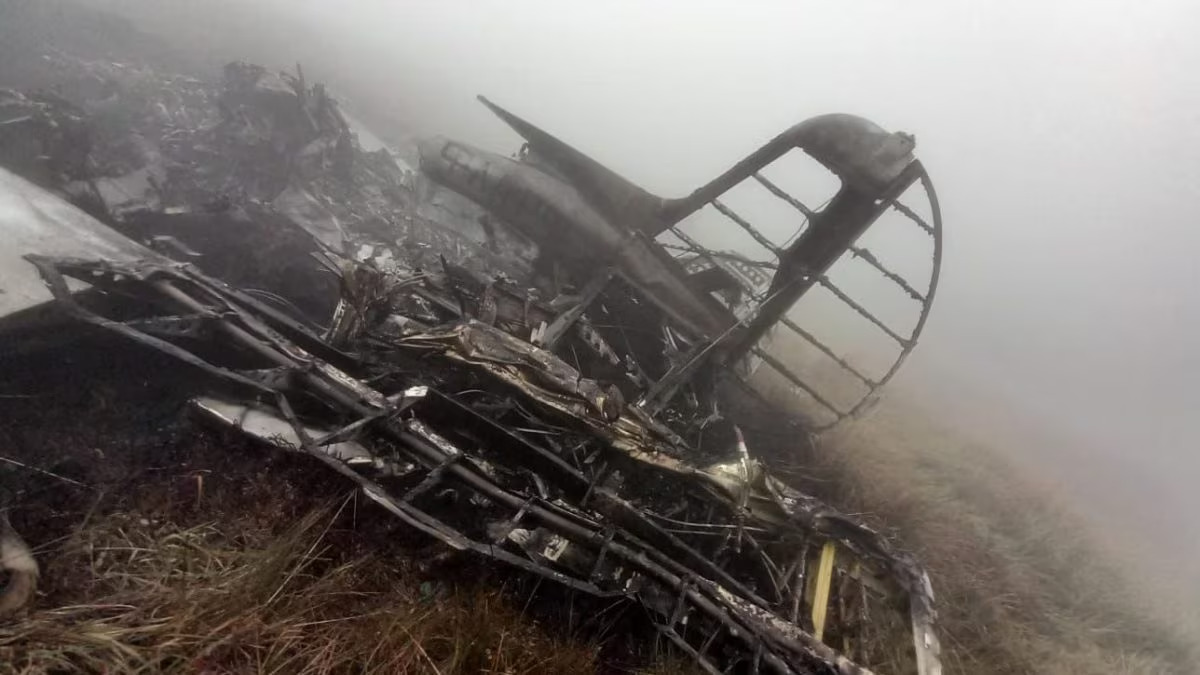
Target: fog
[1063,138]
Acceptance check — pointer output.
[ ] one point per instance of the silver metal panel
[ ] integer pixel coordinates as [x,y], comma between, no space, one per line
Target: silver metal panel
[34,220]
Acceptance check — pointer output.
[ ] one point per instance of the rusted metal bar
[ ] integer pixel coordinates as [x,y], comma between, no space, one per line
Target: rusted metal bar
[679,611]
[579,534]
[772,571]
[914,217]
[432,478]
[778,192]
[172,326]
[896,278]
[58,288]
[609,532]
[834,140]
[849,213]
[697,656]
[824,349]
[590,492]
[655,568]
[745,225]
[700,250]
[511,524]
[566,319]
[345,432]
[798,580]
[756,662]
[422,521]
[936,233]
[710,639]
[783,370]
[866,314]
[406,401]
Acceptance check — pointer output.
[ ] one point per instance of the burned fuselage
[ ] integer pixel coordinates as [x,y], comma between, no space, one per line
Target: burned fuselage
[569,230]
[586,217]
[587,435]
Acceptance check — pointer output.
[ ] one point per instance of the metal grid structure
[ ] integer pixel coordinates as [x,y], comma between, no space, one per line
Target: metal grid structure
[735,591]
[915,175]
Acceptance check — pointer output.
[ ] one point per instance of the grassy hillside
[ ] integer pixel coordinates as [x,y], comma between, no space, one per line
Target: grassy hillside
[166,546]
[1022,586]
[198,552]
[158,595]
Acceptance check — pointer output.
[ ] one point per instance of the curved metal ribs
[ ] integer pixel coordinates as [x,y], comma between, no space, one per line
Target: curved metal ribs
[768,306]
[561,197]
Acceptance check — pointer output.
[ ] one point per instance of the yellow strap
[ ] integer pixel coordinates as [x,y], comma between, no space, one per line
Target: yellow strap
[824,582]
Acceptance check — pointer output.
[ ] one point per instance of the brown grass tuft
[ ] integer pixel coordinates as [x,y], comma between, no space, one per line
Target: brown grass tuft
[160,597]
[1022,586]
[206,555]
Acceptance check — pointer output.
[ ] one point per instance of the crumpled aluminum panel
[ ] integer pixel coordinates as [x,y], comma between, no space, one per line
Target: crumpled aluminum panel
[35,220]
[570,523]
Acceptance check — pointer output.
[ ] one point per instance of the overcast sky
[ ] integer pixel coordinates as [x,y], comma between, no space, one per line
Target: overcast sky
[1063,137]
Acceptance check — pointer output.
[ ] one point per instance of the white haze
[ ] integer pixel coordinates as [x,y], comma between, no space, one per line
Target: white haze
[1063,137]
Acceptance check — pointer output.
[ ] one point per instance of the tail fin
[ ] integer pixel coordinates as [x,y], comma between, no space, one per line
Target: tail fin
[615,197]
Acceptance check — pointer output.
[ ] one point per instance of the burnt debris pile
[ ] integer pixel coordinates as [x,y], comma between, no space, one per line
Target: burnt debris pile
[587,421]
[258,164]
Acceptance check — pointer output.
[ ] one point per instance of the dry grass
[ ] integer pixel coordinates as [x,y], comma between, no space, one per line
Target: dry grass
[1022,587]
[200,552]
[254,573]
[160,597]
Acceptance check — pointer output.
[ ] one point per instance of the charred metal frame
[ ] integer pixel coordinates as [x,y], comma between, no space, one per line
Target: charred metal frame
[557,193]
[774,314]
[596,521]
[829,233]
[737,566]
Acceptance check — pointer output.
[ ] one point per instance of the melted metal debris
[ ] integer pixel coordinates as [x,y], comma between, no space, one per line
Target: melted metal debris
[555,477]
[583,413]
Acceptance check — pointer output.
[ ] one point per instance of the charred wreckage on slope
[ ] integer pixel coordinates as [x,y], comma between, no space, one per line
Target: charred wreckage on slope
[556,375]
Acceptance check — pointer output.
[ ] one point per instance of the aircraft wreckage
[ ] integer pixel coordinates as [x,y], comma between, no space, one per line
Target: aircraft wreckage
[580,377]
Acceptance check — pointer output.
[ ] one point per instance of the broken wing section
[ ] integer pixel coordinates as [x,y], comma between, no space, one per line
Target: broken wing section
[34,220]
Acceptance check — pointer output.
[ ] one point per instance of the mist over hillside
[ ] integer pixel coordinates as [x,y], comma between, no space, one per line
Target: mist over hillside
[1062,142]
[1031,316]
